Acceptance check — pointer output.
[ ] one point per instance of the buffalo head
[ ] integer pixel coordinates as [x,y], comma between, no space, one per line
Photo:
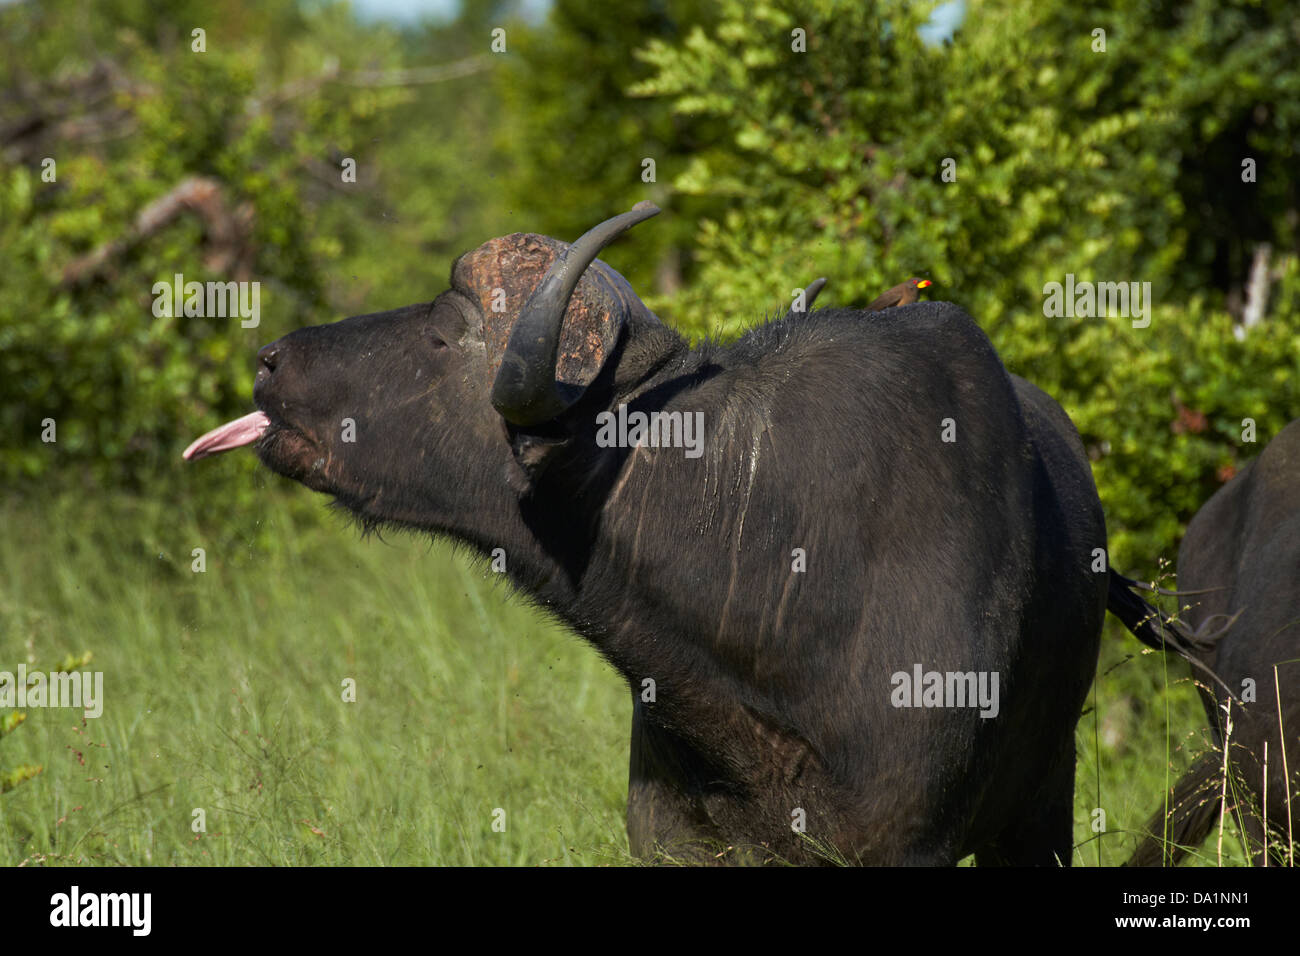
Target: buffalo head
[495,362]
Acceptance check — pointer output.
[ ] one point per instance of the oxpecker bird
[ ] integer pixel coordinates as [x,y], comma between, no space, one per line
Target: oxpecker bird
[903,294]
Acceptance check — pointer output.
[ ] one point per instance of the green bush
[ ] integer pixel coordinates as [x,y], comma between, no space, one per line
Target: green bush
[254,116]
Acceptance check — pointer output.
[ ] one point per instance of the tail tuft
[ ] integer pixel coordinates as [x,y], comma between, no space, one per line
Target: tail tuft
[1193,809]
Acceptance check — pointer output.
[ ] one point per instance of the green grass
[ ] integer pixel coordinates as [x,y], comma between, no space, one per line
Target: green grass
[224,693]
[1142,728]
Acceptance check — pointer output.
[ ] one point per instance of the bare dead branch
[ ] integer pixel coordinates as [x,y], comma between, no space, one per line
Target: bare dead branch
[226,239]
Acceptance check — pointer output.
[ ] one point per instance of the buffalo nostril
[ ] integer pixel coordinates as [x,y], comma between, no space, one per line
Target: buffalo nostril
[269,356]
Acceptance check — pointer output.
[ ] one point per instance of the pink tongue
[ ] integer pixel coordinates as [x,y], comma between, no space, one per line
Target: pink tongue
[240,432]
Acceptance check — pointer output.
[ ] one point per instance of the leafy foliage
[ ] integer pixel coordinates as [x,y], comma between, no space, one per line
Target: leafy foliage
[264,117]
[579,142]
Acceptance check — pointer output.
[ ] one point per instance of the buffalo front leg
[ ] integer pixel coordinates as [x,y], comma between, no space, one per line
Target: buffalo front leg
[665,821]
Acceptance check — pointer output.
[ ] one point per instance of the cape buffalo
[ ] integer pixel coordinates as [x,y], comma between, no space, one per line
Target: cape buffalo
[852,570]
[1240,565]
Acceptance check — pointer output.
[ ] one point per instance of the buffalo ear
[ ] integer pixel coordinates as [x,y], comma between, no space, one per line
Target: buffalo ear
[452,317]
